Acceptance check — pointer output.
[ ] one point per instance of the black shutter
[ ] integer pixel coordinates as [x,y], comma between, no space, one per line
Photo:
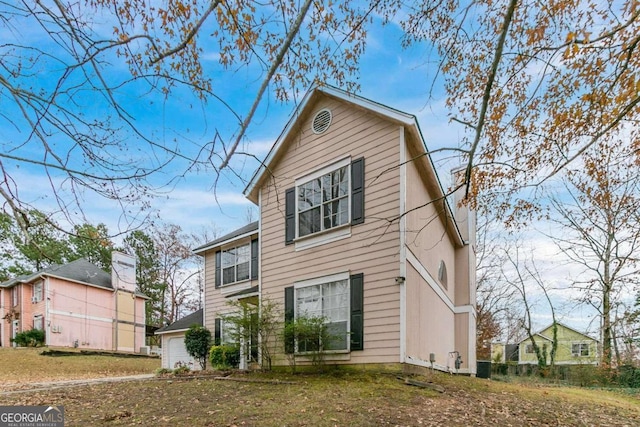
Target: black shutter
[290,215]
[357,303]
[217,332]
[357,191]
[254,259]
[218,269]
[289,314]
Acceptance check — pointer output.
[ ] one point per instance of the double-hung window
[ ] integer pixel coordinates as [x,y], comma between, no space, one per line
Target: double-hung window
[330,302]
[337,300]
[37,292]
[323,202]
[38,322]
[580,349]
[326,200]
[236,264]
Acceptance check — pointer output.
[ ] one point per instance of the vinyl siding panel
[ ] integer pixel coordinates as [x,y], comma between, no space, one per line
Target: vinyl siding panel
[216,299]
[372,248]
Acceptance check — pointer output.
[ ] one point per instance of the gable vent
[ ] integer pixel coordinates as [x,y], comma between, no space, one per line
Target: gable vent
[321,121]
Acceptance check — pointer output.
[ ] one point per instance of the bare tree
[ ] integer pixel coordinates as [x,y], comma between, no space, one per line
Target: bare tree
[599,213]
[523,276]
[495,299]
[178,271]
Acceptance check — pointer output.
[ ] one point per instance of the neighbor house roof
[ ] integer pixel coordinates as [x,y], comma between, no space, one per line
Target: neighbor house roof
[183,324]
[539,333]
[244,231]
[80,271]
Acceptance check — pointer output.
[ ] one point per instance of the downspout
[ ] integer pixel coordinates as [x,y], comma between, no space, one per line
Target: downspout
[115,328]
[47,338]
[403,248]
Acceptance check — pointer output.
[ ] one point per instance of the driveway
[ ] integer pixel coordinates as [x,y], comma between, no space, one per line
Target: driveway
[52,385]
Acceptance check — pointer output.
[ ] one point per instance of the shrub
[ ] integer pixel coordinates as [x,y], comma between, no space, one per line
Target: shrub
[31,338]
[197,341]
[181,369]
[224,356]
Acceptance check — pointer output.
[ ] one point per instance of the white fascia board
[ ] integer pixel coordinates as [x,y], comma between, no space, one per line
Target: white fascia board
[226,242]
[396,115]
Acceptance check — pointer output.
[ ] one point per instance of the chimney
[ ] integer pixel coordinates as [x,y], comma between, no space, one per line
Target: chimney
[123,271]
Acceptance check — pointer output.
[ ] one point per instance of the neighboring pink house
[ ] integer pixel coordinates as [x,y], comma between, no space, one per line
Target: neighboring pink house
[77,305]
[355,227]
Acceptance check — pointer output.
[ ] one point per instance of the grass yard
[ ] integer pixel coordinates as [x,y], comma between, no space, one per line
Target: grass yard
[25,365]
[338,398]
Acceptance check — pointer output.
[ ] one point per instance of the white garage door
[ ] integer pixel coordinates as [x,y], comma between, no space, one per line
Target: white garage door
[176,352]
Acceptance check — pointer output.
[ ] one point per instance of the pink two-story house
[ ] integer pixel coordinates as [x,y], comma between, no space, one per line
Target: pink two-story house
[77,305]
[354,227]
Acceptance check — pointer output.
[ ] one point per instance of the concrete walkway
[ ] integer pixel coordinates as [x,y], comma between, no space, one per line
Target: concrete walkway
[52,385]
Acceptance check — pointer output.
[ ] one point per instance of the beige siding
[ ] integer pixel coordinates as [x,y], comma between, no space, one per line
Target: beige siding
[372,248]
[430,322]
[216,299]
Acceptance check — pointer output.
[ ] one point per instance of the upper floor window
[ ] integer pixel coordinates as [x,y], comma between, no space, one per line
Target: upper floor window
[326,199]
[14,295]
[236,264]
[580,349]
[323,202]
[529,349]
[442,274]
[37,292]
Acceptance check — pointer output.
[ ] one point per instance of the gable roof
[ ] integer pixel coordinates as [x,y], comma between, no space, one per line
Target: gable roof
[409,122]
[333,92]
[80,271]
[244,231]
[539,333]
[183,324]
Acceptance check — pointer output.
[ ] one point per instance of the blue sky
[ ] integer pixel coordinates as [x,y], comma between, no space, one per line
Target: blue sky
[389,74]
[402,78]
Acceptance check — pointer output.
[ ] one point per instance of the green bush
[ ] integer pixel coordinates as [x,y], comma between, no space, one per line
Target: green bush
[197,341]
[224,356]
[31,338]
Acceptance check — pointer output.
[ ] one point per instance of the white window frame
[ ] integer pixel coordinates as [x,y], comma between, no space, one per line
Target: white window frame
[529,346]
[580,345]
[14,296]
[315,175]
[235,265]
[319,282]
[39,318]
[37,291]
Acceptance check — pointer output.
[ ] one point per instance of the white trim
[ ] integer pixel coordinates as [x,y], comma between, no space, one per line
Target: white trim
[325,169]
[399,116]
[437,366]
[403,246]
[48,319]
[235,265]
[226,242]
[321,280]
[422,271]
[81,316]
[171,332]
[317,281]
[235,287]
[322,237]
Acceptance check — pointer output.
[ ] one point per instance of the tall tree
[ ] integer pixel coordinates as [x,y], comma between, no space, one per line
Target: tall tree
[92,243]
[177,271]
[142,245]
[599,212]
